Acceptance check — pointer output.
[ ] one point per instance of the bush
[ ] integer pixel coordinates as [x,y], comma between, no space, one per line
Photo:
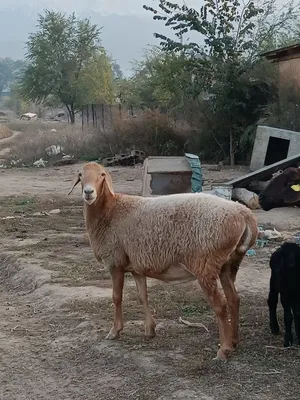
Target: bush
[152,132]
[5,132]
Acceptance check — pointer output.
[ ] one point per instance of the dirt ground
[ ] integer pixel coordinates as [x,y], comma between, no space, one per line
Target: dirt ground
[56,308]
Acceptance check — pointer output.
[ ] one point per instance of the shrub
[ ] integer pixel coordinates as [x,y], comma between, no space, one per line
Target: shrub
[5,132]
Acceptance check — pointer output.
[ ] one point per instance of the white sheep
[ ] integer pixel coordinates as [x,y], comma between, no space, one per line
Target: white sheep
[174,238]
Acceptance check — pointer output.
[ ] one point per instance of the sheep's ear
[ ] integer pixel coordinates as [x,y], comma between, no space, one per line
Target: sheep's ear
[107,181]
[78,179]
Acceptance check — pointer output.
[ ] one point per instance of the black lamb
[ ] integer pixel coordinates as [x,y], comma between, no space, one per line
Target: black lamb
[285,279]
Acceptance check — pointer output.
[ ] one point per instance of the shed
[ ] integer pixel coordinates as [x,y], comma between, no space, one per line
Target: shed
[288,61]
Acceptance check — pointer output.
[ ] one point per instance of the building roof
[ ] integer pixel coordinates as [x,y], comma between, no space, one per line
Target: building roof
[283,53]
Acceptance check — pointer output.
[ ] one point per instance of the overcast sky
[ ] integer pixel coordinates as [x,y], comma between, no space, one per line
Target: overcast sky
[120,7]
[127,28]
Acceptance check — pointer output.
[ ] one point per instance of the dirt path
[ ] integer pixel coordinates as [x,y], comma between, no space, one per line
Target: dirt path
[56,310]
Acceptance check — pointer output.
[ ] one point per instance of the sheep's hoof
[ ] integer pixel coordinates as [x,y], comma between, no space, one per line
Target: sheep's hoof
[113,335]
[275,330]
[150,332]
[223,354]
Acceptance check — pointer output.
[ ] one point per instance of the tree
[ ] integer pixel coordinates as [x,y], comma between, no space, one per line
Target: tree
[59,53]
[232,34]
[9,70]
[97,80]
[117,71]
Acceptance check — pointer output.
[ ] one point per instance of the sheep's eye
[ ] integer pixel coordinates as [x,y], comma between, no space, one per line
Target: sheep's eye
[103,174]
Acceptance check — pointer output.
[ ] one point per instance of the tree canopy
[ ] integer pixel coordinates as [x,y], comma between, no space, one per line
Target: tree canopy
[232,33]
[9,71]
[62,54]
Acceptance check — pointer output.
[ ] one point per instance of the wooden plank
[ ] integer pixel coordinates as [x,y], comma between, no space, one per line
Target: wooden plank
[263,172]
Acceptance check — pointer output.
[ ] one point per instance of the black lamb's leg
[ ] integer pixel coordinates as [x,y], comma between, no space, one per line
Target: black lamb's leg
[272,303]
[296,312]
[288,320]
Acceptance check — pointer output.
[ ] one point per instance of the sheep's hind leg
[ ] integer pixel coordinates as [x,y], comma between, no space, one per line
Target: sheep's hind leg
[117,276]
[219,304]
[141,285]
[227,278]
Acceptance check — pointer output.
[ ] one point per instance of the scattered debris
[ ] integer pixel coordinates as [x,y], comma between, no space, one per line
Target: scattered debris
[296,237]
[15,162]
[222,190]
[268,373]
[135,157]
[261,243]
[250,199]
[193,324]
[40,213]
[64,160]
[29,116]
[40,163]
[270,234]
[55,211]
[251,252]
[54,150]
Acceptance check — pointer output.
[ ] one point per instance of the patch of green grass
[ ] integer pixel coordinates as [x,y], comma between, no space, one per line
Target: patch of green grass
[191,310]
[24,202]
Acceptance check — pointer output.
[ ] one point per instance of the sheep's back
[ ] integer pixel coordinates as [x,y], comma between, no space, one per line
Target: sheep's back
[177,228]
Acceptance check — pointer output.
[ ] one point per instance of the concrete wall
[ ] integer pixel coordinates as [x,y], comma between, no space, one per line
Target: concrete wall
[261,144]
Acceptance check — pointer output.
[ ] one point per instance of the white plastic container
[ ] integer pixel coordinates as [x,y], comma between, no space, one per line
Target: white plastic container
[222,190]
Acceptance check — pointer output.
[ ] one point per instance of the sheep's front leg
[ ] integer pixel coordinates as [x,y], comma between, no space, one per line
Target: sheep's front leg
[141,285]
[117,276]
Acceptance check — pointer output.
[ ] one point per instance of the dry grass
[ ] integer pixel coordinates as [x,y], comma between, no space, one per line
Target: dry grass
[151,132]
[32,144]
[5,131]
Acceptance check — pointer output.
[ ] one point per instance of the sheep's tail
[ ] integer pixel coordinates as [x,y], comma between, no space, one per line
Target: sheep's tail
[248,237]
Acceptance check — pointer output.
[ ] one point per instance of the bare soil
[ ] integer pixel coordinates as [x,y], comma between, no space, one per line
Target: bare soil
[55,310]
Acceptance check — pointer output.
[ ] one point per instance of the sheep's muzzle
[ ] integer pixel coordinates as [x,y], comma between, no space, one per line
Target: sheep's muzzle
[89,194]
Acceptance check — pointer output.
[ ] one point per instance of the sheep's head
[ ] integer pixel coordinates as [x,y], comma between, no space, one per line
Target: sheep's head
[95,182]
[283,190]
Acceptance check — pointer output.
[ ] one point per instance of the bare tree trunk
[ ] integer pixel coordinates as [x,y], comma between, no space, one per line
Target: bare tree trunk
[71,113]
